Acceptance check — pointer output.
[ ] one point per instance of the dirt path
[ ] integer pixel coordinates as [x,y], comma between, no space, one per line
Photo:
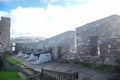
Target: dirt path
[66,67]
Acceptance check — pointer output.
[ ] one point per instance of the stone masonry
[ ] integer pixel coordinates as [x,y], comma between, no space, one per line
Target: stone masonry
[61,46]
[4,34]
[95,42]
[26,46]
[99,41]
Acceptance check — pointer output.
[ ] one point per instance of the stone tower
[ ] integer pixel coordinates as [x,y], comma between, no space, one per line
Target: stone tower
[4,34]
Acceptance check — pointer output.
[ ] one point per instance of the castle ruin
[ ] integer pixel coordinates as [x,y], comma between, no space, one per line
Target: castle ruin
[96,42]
[4,34]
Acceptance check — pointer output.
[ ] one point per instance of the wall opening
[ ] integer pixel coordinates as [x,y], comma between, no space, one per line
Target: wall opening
[59,52]
[1,45]
[13,46]
[94,45]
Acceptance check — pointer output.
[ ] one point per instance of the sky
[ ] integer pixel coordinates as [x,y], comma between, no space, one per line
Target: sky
[47,18]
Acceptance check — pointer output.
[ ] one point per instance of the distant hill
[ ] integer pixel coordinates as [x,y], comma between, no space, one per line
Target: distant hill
[28,39]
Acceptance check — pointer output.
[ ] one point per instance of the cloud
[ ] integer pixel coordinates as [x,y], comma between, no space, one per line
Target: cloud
[65,3]
[53,1]
[56,19]
[39,21]
[3,13]
[96,9]
[48,1]
[81,0]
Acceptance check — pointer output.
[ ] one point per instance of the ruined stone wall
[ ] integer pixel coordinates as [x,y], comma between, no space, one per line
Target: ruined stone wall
[98,42]
[26,46]
[62,45]
[5,34]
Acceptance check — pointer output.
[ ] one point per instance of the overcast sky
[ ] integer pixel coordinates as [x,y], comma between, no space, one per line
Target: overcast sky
[47,18]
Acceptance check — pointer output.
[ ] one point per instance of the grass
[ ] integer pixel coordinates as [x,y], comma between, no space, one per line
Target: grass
[12,74]
[68,70]
[16,62]
[113,79]
[13,61]
[86,78]
[9,75]
[102,68]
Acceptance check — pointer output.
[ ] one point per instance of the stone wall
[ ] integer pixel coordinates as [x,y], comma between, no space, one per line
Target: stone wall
[99,41]
[26,46]
[62,45]
[4,34]
[95,42]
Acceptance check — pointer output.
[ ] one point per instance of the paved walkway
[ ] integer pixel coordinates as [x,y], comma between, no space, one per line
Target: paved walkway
[66,67]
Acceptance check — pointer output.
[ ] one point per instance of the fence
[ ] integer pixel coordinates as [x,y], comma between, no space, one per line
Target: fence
[58,75]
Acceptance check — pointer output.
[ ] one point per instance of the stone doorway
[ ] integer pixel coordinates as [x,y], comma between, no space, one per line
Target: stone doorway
[94,45]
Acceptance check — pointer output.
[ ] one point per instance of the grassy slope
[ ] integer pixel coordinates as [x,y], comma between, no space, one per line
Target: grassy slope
[9,75]
[13,61]
[12,74]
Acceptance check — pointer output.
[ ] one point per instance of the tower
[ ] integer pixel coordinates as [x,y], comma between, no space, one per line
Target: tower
[4,34]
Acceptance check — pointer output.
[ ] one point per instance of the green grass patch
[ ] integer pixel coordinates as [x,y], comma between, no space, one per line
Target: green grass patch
[9,75]
[12,74]
[113,79]
[16,62]
[13,61]
[87,78]
[102,68]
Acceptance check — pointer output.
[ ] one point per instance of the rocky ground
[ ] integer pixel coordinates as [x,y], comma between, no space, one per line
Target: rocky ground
[84,73]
